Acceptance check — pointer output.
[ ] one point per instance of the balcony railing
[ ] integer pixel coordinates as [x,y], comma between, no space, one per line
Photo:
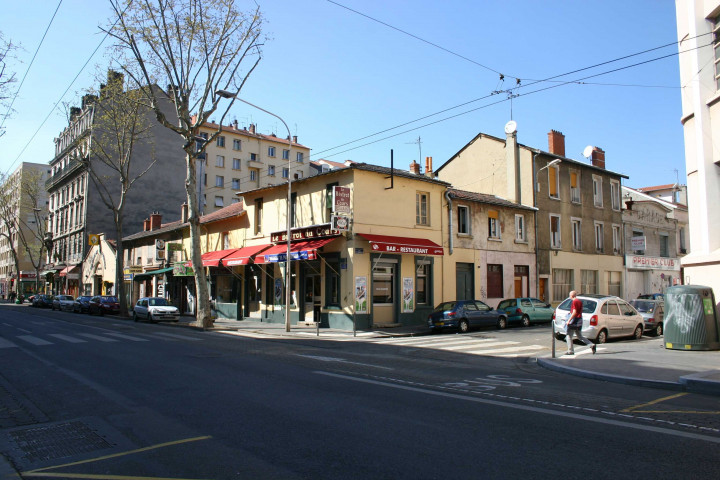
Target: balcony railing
[71,167]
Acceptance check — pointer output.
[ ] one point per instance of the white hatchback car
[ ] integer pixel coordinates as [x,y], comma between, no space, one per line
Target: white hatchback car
[155,309]
[604,316]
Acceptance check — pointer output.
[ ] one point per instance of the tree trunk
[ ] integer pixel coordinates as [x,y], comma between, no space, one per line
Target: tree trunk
[119,276]
[203,318]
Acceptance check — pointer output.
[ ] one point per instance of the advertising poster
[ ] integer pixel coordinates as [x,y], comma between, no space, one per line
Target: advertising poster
[361,295]
[278,291]
[408,294]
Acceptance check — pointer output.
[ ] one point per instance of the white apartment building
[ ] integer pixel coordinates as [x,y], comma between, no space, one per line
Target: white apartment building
[698,30]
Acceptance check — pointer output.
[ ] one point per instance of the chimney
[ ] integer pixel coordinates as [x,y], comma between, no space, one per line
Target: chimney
[184,213]
[155,220]
[556,143]
[235,124]
[512,164]
[428,167]
[252,128]
[415,168]
[295,139]
[598,157]
[146,225]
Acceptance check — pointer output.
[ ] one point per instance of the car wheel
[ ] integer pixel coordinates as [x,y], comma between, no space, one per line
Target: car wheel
[525,321]
[602,337]
[463,326]
[658,330]
[637,334]
[102,314]
[502,323]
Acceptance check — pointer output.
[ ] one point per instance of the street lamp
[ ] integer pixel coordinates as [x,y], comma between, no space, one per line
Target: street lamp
[550,164]
[226,94]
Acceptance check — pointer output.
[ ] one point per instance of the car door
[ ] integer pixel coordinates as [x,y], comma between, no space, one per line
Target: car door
[528,308]
[471,313]
[486,315]
[543,311]
[629,318]
[613,318]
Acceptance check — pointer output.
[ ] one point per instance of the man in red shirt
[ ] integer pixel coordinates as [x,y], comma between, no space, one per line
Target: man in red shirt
[575,323]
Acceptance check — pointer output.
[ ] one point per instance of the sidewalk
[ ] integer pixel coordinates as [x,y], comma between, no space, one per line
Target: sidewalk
[645,363]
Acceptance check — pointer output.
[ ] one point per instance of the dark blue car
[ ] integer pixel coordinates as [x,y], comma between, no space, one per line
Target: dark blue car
[464,315]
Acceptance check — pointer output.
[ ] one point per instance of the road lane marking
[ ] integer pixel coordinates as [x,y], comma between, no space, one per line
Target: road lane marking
[67,338]
[481,345]
[6,343]
[181,337]
[97,337]
[637,408]
[34,340]
[127,337]
[670,397]
[528,408]
[341,360]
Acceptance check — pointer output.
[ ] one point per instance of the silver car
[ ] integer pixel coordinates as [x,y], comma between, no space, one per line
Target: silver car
[63,302]
[604,316]
[653,311]
[155,309]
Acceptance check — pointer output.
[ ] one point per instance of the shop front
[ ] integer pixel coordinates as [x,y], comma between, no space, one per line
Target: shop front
[181,288]
[646,274]
[69,278]
[27,283]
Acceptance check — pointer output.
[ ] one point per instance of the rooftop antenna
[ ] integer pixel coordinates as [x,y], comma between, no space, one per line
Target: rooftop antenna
[419,144]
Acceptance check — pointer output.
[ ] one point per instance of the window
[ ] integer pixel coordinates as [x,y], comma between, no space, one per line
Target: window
[236,184]
[597,191]
[220,141]
[332,280]
[615,195]
[716,46]
[422,282]
[220,161]
[383,283]
[574,187]
[588,281]
[258,215]
[614,283]
[555,240]
[285,172]
[219,201]
[286,154]
[554,181]
[599,237]
[237,144]
[253,174]
[271,151]
[616,238]
[421,208]
[495,281]
[205,179]
[253,157]
[520,234]
[463,220]
[219,181]
[299,156]
[236,164]
[235,200]
[664,245]
[493,224]
[562,283]
[681,237]
[271,170]
[576,225]
[225,240]
[638,233]
[293,209]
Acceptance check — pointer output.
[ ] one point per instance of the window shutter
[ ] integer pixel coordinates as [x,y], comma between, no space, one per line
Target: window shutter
[552,175]
[493,214]
[573,179]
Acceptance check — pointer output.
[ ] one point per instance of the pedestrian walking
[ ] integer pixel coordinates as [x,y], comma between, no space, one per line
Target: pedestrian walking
[574,325]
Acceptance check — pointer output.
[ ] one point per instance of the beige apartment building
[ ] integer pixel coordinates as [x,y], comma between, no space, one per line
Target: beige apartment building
[241,159]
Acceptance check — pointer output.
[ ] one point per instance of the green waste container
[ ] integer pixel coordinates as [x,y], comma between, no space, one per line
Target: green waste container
[691,319]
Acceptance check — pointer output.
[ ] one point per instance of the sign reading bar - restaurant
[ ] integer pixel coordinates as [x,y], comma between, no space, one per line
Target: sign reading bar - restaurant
[305,233]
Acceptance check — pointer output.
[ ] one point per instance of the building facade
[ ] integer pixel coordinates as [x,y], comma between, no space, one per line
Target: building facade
[697,22]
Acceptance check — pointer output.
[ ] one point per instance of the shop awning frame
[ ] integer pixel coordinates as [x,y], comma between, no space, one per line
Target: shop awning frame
[392,244]
[145,275]
[242,256]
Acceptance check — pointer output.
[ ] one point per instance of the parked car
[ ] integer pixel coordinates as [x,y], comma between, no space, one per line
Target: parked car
[42,301]
[82,304]
[604,316]
[155,309]
[62,302]
[526,311]
[653,311]
[103,304]
[651,296]
[465,314]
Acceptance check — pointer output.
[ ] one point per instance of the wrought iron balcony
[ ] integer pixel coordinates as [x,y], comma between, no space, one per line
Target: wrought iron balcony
[72,166]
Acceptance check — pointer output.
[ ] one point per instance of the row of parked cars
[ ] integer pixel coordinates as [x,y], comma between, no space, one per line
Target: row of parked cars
[604,316]
[151,309]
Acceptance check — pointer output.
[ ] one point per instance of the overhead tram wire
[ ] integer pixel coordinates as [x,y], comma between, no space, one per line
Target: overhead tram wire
[17,92]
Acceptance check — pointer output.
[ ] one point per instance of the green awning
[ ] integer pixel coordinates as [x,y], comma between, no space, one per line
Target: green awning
[146,275]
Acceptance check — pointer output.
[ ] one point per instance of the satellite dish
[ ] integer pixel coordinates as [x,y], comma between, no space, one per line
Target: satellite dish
[510,127]
[588,151]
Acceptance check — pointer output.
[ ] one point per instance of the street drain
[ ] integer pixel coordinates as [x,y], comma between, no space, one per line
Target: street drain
[57,441]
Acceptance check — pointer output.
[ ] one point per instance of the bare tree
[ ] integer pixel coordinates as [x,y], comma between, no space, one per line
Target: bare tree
[7,77]
[196,47]
[9,199]
[121,124]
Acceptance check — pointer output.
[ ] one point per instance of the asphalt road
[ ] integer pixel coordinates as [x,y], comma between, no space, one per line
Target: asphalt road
[101,396]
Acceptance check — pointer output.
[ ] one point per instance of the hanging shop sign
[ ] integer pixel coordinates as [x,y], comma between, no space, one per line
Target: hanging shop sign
[341,200]
[340,223]
[305,233]
[180,270]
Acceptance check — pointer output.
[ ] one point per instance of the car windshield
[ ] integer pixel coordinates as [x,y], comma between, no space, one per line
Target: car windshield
[84,299]
[445,306]
[64,297]
[108,300]
[157,302]
[506,304]
[643,306]
[588,305]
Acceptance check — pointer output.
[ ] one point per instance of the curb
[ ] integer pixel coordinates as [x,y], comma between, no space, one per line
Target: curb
[698,383]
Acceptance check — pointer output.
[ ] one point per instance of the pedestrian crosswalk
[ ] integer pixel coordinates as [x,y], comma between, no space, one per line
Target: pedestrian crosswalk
[42,340]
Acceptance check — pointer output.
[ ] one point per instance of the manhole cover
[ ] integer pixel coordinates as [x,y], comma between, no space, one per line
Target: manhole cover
[57,441]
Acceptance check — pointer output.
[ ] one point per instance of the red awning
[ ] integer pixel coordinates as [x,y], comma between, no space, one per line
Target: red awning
[303,250]
[416,246]
[241,256]
[66,270]
[212,259]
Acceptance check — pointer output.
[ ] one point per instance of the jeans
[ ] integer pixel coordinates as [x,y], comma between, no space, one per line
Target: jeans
[569,338]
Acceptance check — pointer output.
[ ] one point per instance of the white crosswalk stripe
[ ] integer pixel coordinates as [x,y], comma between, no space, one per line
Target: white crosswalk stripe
[34,340]
[97,337]
[178,337]
[6,343]
[127,337]
[67,338]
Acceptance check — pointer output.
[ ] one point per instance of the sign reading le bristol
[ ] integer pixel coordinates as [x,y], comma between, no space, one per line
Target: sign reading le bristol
[652,263]
[305,233]
[341,200]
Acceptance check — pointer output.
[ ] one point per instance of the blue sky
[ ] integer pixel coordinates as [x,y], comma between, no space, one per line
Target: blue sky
[336,76]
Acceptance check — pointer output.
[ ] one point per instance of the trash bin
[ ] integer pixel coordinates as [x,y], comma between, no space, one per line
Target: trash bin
[691,318]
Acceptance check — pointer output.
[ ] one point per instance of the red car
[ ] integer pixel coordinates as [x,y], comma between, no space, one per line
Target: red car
[103,304]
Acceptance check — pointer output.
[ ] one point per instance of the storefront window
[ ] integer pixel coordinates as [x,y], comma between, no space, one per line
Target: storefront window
[255,287]
[422,282]
[225,289]
[383,283]
[332,281]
